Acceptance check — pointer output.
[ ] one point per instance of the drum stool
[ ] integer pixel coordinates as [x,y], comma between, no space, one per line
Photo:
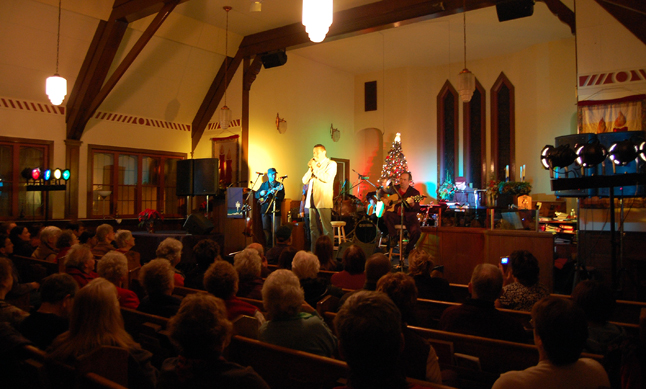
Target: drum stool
[339,232]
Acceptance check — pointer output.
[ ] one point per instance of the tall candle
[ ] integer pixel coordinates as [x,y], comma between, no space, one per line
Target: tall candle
[507,173]
[524,171]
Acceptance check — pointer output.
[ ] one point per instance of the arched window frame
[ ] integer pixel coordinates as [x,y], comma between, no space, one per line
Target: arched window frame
[499,117]
[443,128]
[474,112]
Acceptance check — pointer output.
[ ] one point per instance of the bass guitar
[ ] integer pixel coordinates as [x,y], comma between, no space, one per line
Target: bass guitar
[391,201]
[267,197]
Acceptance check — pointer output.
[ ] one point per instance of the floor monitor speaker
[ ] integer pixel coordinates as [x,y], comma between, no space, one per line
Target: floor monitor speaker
[514,9]
[197,224]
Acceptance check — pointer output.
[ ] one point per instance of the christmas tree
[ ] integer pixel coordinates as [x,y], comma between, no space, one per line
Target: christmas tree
[395,163]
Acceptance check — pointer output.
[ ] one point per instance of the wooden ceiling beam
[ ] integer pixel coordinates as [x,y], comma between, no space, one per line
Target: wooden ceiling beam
[561,11]
[630,13]
[368,18]
[213,98]
[132,10]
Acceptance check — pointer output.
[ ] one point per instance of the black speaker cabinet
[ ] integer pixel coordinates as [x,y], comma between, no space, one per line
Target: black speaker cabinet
[607,139]
[184,178]
[197,224]
[514,9]
[205,176]
[274,59]
[574,170]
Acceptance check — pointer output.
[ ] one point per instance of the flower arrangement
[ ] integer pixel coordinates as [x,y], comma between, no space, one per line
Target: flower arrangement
[446,190]
[148,217]
[496,188]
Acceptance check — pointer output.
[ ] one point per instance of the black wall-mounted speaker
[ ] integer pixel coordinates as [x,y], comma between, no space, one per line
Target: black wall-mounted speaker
[184,178]
[206,176]
[197,224]
[514,9]
[574,170]
[274,59]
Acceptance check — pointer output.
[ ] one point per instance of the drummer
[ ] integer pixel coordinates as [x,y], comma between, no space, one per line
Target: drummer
[372,198]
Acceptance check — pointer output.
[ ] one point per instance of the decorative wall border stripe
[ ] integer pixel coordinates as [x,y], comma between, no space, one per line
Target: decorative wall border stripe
[33,106]
[616,77]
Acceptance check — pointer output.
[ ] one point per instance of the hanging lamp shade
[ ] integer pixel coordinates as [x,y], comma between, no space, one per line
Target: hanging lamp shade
[56,89]
[225,117]
[317,18]
[466,85]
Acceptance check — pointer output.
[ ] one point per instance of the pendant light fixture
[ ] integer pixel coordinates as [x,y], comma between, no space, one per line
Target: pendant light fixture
[56,86]
[225,112]
[466,79]
[317,18]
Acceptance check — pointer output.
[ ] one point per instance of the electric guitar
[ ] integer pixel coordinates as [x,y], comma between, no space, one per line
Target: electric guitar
[391,201]
[270,193]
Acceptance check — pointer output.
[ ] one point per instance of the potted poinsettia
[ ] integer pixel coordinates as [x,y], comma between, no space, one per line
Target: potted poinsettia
[148,218]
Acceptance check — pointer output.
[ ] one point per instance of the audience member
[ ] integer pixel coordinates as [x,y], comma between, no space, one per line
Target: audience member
[354,264]
[8,313]
[34,230]
[419,358]
[371,342]
[77,228]
[21,238]
[114,268]
[205,253]
[46,250]
[559,333]
[124,241]
[525,290]
[80,264]
[19,288]
[306,267]
[289,326]
[201,332]
[324,251]
[264,270]
[377,265]
[598,304]
[478,315]
[157,277]
[221,280]
[283,240]
[96,321]
[248,265]
[88,238]
[432,288]
[104,238]
[65,241]
[171,250]
[286,258]
[6,227]
[52,318]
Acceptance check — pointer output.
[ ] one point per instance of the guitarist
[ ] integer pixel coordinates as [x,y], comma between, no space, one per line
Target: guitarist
[268,190]
[411,208]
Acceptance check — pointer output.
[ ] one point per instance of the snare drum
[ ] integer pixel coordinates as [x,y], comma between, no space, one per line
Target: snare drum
[365,231]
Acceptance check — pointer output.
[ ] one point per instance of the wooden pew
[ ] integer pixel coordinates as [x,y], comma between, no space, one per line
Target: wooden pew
[150,332]
[182,291]
[28,263]
[285,368]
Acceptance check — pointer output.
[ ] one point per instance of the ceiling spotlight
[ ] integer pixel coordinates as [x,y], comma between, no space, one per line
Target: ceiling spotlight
[256,6]
[623,152]
[591,154]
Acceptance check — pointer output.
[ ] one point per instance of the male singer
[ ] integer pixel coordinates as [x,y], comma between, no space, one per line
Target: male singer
[411,209]
[320,193]
[268,190]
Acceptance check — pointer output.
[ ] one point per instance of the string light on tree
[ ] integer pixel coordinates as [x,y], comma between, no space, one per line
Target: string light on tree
[395,163]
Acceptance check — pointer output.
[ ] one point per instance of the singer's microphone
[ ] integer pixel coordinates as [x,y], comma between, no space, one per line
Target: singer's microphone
[260,173]
[283,177]
[363,177]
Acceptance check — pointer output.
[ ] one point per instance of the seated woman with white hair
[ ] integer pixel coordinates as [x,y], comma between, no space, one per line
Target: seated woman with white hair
[79,263]
[305,266]
[114,268]
[47,250]
[293,324]
[201,331]
[157,278]
[248,264]
[96,321]
[125,241]
[171,250]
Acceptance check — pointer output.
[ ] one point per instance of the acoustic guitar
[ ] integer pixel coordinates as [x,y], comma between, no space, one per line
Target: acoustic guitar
[391,201]
[270,193]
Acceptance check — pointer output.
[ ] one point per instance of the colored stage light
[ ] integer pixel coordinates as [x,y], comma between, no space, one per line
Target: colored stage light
[47,174]
[545,156]
[57,174]
[66,174]
[623,152]
[35,173]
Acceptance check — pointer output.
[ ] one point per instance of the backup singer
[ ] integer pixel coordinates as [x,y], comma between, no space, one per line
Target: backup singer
[411,209]
[268,190]
[320,193]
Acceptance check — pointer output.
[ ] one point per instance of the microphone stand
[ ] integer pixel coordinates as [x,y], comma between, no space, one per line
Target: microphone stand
[246,207]
[272,206]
